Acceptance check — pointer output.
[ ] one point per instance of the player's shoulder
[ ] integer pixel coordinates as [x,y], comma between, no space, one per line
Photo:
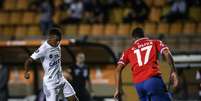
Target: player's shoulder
[43,46]
[129,49]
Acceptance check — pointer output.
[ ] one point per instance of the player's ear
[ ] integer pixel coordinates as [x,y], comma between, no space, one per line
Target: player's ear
[165,54]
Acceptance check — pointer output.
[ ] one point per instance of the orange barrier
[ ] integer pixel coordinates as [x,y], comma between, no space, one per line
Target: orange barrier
[27,43]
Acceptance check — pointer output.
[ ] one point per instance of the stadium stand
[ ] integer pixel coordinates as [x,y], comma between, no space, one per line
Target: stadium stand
[8,31]
[195,13]
[198,28]
[149,2]
[116,15]
[123,29]
[97,29]
[162,28]
[175,28]
[22,4]
[16,13]
[33,30]
[57,16]
[15,18]
[28,18]
[20,32]
[159,3]
[71,30]
[110,29]
[155,14]
[4,17]
[189,28]
[84,29]
[150,28]
[10,4]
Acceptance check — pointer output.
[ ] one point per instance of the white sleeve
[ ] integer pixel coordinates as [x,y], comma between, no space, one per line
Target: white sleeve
[39,53]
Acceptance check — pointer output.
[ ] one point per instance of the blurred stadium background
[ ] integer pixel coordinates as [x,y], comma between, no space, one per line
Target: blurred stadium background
[103,27]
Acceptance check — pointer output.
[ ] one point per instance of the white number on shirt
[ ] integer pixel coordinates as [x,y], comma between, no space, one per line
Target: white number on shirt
[138,54]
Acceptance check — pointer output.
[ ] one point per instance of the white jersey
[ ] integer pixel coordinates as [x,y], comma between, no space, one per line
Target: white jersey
[53,81]
[51,62]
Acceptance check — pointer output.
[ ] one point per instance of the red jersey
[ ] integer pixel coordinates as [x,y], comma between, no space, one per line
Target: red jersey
[143,57]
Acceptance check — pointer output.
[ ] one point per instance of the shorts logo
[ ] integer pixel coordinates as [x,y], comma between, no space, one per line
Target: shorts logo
[50,56]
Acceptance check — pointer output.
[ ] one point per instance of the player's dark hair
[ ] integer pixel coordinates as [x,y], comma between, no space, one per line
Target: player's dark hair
[55,31]
[138,33]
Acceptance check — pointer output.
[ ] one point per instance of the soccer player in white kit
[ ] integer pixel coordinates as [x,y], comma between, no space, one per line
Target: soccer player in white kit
[50,55]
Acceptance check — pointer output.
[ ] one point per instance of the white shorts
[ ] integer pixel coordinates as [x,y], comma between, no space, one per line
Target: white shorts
[53,94]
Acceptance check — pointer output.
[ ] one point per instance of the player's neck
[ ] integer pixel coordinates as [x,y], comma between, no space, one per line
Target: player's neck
[51,44]
[80,64]
[138,39]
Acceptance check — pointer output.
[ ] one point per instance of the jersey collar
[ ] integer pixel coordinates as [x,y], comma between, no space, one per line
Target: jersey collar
[140,39]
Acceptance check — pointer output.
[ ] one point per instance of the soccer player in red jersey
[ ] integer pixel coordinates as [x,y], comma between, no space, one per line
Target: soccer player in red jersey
[143,57]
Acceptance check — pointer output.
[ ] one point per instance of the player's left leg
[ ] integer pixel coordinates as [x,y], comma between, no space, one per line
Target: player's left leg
[156,89]
[160,97]
[69,92]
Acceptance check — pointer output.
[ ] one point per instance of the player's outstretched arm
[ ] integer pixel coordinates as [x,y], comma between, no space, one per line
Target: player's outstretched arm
[118,81]
[169,59]
[26,67]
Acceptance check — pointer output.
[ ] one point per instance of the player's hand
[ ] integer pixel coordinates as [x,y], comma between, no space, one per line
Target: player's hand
[72,40]
[174,79]
[117,95]
[27,75]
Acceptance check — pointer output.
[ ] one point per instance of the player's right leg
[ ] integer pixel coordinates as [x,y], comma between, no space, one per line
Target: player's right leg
[141,92]
[53,96]
[68,91]
[50,94]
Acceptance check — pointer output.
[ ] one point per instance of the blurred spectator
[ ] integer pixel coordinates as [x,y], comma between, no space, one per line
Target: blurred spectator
[177,11]
[34,4]
[193,3]
[1,3]
[3,83]
[47,10]
[66,4]
[170,2]
[182,89]
[68,1]
[138,13]
[115,3]
[80,78]
[94,12]
[75,12]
